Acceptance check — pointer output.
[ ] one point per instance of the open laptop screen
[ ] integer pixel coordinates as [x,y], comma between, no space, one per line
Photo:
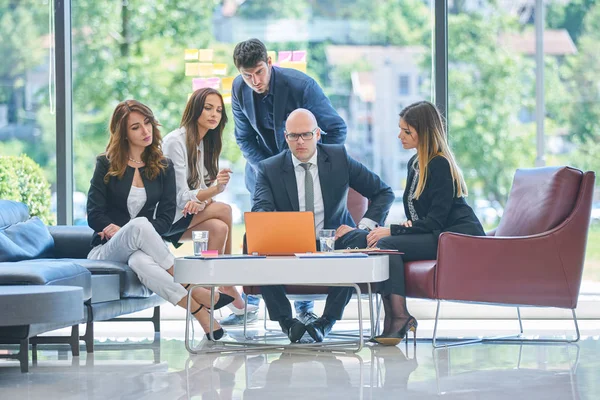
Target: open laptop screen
[280,232]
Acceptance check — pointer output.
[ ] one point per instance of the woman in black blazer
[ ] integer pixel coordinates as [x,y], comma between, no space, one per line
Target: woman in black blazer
[434,202]
[131,202]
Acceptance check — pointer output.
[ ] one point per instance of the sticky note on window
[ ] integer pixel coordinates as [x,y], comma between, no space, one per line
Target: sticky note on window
[285,56]
[192,69]
[273,55]
[205,55]
[198,83]
[227,83]
[213,83]
[227,98]
[219,69]
[298,65]
[191,54]
[205,69]
[299,55]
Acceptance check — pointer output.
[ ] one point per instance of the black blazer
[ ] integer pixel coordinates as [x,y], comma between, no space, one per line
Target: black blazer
[438,208]
[277,190]
[107,202]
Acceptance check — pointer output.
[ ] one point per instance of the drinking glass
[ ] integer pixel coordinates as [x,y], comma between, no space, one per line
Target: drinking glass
[327,239]
[200,239]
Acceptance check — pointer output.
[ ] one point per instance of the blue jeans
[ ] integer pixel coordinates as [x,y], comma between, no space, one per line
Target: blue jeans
[300,306]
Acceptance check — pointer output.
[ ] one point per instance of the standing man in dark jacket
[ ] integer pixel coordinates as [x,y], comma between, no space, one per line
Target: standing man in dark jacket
[262,97]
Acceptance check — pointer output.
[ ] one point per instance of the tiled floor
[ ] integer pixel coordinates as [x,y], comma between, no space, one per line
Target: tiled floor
[164,370]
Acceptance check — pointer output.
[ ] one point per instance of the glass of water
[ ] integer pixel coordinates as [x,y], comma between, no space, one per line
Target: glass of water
[200,239]
[327,239]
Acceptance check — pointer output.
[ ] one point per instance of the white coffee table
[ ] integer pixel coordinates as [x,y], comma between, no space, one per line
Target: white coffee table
[280,271]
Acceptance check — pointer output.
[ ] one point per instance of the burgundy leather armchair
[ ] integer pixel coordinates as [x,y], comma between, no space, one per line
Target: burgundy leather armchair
[534,257]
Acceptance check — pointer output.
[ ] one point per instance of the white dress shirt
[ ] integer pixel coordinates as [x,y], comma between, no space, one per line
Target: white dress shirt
[365,223]
[174,147]
[319,208]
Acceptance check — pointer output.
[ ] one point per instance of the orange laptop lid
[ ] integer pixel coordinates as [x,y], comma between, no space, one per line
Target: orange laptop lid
[280,233]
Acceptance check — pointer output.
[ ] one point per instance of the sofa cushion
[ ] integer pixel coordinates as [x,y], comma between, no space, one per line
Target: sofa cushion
[12,212]
[46,272]
[130,284]
[25,241]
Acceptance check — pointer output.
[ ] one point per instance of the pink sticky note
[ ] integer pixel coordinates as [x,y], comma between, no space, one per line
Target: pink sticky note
[198,83]
[285,56]
[213,83]
[209,253]
[299,55]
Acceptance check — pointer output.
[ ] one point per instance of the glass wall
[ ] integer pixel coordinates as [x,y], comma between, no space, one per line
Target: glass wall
[158,51]
[27,110]
[492,105]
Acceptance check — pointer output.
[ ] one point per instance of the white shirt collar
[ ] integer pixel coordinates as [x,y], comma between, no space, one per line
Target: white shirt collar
[313,159]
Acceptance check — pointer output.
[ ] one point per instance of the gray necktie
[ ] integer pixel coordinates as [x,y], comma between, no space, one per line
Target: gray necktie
[309,189]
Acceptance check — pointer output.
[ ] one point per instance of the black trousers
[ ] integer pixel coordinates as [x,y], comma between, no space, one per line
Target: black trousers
[337,297]
[415,247]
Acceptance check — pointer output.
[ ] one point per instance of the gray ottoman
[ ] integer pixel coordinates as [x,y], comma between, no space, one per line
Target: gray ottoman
[34,305]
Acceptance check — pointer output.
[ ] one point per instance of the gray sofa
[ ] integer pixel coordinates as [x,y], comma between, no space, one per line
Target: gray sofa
[34,254]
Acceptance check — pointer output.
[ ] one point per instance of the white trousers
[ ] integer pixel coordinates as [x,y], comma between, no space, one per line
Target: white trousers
[139,245]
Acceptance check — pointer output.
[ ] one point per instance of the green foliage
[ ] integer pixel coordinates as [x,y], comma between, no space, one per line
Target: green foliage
[584,78]
[21,179]
[487,89]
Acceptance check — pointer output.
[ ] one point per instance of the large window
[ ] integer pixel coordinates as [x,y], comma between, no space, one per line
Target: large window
[492,89]
[355,50]
[27,106]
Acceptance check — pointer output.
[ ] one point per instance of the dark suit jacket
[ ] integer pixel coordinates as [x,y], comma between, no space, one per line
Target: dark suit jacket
[107,202]
[438,208]
[293,89]
[277,190]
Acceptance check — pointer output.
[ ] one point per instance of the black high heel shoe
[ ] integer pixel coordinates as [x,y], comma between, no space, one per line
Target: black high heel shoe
[217,333]
[395,338]
[224,299]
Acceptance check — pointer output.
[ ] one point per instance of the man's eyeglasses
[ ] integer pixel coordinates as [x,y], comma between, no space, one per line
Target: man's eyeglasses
[293,137]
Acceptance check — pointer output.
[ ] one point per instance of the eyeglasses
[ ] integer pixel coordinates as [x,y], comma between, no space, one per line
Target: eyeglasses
[293,137]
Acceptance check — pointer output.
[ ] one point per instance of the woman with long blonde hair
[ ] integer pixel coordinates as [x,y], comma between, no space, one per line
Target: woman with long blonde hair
[434,202]
[131,203]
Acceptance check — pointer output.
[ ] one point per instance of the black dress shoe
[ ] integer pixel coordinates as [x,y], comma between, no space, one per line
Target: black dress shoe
[320,328]
[293,328]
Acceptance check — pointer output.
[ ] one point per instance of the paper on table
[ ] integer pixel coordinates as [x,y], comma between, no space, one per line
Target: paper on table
[330,255]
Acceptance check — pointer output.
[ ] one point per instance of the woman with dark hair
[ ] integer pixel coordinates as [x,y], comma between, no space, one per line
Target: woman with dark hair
[434,202]
[131,202]
[195,148]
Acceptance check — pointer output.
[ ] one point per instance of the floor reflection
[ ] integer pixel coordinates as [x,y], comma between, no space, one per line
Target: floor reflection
[469,372]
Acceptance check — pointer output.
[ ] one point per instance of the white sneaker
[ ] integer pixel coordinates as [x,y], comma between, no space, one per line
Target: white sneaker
[240,311]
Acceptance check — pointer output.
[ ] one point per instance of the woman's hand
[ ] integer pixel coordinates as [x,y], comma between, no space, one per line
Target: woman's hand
[193,207]
[407,224]
[110,231]
[342,230]
[376,234]
[223,178]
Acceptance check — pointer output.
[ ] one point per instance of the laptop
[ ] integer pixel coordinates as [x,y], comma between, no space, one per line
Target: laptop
[280,233]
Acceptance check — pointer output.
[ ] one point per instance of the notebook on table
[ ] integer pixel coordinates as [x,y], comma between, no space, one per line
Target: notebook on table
[280,233]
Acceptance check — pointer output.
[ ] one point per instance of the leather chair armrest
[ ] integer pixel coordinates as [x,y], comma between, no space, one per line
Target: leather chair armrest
[71,241]
[524,270]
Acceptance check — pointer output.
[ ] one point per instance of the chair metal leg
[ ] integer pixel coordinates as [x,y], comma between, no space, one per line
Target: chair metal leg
[518,338]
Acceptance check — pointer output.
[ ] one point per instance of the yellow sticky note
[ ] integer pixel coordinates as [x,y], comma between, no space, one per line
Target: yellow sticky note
[205,55]
[299,65]
[219,69]
[191,54]
[205,69]
[226,98]
[191,69]
[227,83]
[273,55]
